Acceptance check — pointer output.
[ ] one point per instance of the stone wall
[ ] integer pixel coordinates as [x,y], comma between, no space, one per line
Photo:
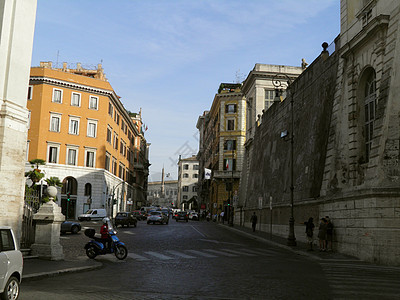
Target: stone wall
[270,163]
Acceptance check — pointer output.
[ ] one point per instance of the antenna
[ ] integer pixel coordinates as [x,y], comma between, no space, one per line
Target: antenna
[239,77]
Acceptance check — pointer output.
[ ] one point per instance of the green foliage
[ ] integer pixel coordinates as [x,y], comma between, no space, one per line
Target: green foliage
[36,162]
[54,181]
[34,175]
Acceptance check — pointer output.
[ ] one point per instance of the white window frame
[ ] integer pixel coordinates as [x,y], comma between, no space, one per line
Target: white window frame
[79,99]
[108,155]
[61,95]
[97,102]
[72,148]
[91,150]
[91,122]
[77,119]
[58,116]
[53,145]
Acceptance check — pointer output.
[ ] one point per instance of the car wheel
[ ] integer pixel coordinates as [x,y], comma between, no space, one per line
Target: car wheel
[11,289]
[88,219]
[127,225]
[135,224]
[177,220]
[148,222]
[74,229]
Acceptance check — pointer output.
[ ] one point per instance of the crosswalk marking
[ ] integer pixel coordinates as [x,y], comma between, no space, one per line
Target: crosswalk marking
[193,254]
[201,253]
[176,253]
[221,253]
[362,280]
[239,252]
[158,255]
[137,257]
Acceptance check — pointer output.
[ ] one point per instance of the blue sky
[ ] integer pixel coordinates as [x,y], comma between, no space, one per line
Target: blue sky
[168,57]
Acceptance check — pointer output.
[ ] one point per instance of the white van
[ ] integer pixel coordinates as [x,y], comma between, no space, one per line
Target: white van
[93,214]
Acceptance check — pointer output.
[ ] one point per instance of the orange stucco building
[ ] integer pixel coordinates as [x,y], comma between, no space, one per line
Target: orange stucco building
[79,126]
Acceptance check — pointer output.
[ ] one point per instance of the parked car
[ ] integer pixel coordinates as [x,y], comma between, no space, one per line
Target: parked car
[157,217]
[139,215]
[182,215]
[93,214]
[125,219]
[70,226]
[11,264]
[193,216]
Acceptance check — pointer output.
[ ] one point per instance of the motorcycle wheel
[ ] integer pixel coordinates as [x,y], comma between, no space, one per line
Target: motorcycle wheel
[121,252]
[91,252]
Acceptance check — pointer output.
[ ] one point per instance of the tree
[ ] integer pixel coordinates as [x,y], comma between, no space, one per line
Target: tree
[35,175]
[54,181]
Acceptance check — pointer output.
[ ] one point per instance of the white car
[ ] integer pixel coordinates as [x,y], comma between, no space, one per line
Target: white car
[11,264]
[193,216]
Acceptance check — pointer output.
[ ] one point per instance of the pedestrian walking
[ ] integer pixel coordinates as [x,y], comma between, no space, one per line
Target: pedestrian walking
[322,235]
[329,233]
[222,217]
[310,232]
[253,221]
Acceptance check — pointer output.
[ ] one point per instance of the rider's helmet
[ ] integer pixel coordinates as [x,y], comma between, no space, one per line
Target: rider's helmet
[105,220]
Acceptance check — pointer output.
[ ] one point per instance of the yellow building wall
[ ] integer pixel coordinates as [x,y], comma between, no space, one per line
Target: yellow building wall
[41,107]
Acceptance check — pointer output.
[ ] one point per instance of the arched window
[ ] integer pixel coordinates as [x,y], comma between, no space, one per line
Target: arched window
[369,110]
[70,185]
[88,189]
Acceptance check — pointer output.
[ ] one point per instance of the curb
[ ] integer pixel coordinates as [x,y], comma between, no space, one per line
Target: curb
[40,275]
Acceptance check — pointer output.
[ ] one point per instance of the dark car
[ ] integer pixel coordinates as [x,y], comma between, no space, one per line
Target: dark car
[125,219]
[70,226]
[182,216]
[139,215]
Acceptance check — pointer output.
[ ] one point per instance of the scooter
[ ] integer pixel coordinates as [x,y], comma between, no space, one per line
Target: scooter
[96,246]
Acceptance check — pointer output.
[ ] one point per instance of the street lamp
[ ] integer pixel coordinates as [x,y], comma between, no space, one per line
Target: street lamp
[112,200]
[276,81]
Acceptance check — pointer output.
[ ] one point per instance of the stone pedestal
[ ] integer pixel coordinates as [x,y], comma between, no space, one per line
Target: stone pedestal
[47,235]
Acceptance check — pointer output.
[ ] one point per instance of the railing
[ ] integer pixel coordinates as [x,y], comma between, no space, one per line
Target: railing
[31,206]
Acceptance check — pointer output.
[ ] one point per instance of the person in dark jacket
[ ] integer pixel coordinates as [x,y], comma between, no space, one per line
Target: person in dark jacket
[253,221]
[310,232]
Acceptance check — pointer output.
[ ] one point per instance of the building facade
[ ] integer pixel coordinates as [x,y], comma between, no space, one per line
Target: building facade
[188,176]
[162,193]
[79,126]
[221,148]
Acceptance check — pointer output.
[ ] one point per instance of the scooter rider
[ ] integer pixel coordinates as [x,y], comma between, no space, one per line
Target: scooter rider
[105,235]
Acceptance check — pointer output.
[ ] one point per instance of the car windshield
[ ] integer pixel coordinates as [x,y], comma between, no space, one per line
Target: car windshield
[89,212]
[154,213]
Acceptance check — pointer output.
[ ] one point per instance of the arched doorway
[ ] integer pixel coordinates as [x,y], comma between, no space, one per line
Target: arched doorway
[69,195]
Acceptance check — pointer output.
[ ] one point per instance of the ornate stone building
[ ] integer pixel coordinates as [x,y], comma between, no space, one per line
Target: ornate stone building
[346,126]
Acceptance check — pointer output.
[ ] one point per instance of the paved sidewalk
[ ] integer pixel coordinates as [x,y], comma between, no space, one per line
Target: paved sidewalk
[301,248]
[35,268]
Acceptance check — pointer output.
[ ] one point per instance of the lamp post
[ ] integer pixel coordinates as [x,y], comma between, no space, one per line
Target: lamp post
[112,200]
[276,80]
